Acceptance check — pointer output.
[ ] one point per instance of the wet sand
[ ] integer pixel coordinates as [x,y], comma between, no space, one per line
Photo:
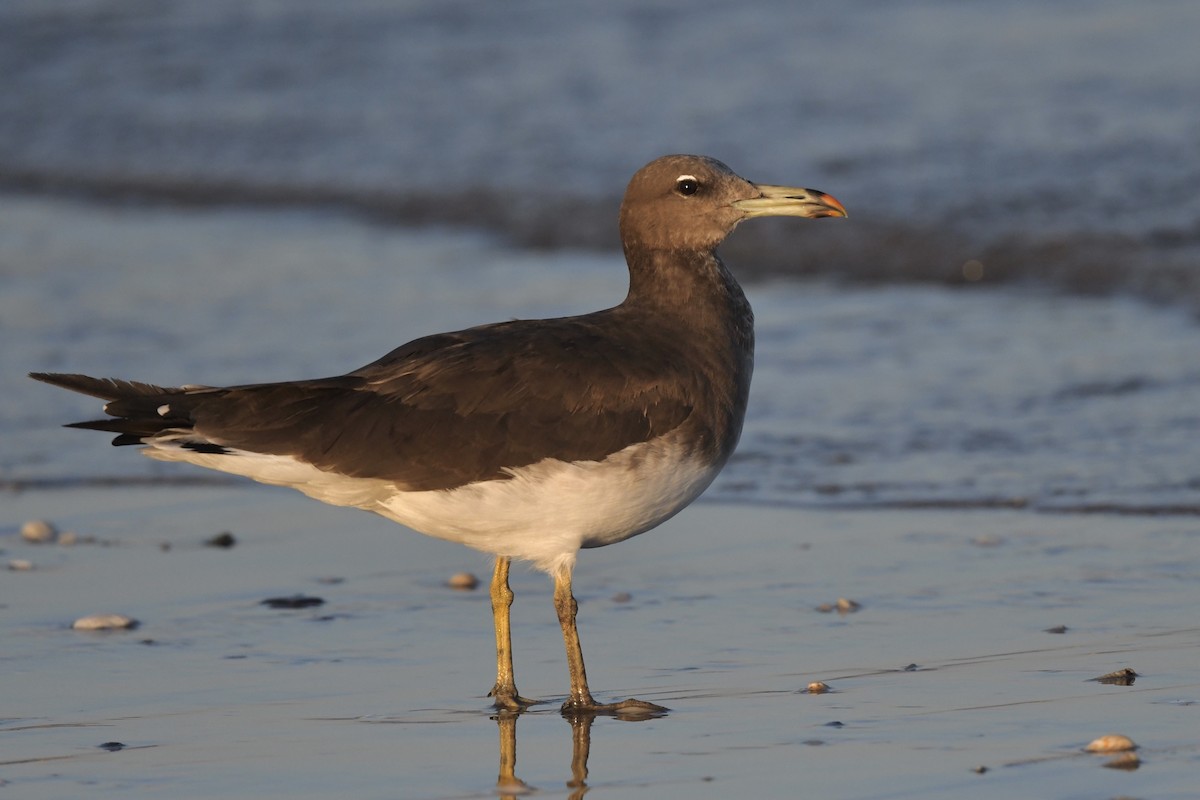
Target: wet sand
[379,692]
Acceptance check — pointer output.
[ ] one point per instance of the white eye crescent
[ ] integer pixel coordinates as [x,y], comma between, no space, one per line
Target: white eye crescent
[687,185]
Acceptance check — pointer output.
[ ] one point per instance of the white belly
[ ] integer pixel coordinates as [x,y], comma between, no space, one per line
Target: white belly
[544,513]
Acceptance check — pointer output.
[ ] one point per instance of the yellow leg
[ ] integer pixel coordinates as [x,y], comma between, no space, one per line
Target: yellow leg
[567,608]
[580,699]
[504,693]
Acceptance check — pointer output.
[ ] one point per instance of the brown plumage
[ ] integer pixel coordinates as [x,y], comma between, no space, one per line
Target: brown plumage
[527,439]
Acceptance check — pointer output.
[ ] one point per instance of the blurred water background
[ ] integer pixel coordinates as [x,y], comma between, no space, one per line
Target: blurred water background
[191,190]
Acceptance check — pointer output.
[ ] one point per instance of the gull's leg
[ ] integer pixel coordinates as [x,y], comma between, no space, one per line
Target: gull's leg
[564,603]
[504,692]
[580,699]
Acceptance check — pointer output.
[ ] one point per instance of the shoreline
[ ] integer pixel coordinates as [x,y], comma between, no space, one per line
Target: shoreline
[1154,266]
[20,486]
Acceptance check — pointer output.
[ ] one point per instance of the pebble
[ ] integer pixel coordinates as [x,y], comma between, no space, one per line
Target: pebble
[223,539]
[20,565]
[39,531]
[104,622]
[463,581]
[295,601]
[622,597]
[1111,743]
[818,687]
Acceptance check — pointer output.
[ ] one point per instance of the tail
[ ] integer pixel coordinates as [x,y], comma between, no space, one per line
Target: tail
[138,411]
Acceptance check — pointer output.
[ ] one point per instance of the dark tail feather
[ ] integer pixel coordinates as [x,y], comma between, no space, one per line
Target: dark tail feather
[104,388]
[132,427]
[137,409]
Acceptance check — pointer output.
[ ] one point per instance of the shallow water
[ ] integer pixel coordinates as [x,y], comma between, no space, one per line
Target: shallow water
[894,396]
[1046,141]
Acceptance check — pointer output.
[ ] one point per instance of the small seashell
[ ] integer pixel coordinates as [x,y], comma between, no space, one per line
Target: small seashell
[39,531]
[463,581]
[842,606]
[1111,743]
[104,622]
[68,538]
[1122,677]
[20,565]
[817,687]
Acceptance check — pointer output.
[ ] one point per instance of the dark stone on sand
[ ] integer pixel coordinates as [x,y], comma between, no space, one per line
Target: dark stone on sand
[223,539]
[295,601]
[112,747]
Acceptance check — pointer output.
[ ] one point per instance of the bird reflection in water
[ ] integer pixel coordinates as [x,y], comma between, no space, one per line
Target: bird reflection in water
[509,786]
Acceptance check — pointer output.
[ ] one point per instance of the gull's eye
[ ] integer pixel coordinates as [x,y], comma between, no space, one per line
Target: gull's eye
[687,185]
